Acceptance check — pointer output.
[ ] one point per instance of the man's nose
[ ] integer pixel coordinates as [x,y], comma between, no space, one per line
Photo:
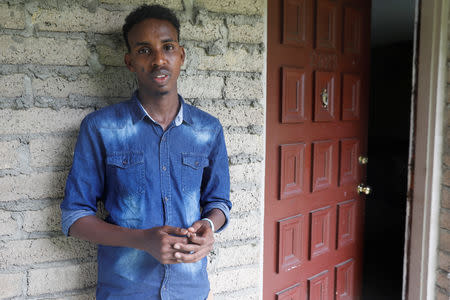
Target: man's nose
[160,58]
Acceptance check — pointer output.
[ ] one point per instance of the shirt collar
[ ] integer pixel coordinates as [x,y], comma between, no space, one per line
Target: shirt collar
[138,112]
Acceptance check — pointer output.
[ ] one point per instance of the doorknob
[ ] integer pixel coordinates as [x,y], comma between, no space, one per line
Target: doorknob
[362,188]
[324,98]
[363,160]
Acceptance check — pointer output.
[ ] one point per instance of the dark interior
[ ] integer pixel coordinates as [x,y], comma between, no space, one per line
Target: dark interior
[387,170]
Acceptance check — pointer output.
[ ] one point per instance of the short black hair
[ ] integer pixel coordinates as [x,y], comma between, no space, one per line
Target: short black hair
[145,12]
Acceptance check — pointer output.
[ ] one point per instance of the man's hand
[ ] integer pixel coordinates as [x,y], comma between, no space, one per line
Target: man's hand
[160,242]
[201,241]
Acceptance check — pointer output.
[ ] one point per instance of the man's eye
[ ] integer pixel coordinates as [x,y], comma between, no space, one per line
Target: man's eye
[144,51]
[169,47]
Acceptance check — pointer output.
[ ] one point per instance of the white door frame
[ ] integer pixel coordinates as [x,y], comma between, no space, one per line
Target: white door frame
[427,139]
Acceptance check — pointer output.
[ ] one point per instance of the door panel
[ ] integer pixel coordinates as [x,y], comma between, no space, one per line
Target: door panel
[344,280]
[317,93]
[319,286]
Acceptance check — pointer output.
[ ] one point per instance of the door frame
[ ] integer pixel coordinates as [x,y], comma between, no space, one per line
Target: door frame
[422,232]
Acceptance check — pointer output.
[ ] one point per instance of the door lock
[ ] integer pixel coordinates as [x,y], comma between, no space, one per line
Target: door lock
[324,98]
[363,160]
[364,189]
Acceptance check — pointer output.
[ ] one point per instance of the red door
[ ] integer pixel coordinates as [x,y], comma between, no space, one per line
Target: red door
[317,101]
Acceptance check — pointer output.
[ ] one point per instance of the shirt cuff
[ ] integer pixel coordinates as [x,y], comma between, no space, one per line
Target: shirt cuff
[223,207]
[68,217]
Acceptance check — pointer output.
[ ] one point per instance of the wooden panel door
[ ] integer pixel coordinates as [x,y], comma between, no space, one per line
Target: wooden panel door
[317,101]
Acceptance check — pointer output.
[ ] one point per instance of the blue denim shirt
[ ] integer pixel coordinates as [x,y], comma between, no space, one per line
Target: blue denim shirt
[147,177]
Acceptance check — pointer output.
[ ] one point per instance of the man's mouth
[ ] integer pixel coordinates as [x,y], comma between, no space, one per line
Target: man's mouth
[160,77]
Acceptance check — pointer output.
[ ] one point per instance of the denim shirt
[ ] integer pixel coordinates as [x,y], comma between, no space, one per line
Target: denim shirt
[147,177]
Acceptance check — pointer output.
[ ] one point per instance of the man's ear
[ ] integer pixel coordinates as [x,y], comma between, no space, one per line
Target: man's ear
[128,62]
[183,55]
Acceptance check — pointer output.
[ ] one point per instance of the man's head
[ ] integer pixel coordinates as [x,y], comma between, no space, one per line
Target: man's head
[154,54]
[149,12]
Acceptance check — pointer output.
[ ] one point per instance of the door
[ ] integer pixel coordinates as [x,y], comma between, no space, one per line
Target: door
[317,101]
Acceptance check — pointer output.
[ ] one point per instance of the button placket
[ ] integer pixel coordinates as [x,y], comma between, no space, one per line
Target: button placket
[165,176]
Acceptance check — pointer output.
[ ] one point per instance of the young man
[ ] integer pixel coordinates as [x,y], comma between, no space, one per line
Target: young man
[160,166]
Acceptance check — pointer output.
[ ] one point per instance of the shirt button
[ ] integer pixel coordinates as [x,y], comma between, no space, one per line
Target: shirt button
[197,163]
[164,168]
[124,161]
[165,199]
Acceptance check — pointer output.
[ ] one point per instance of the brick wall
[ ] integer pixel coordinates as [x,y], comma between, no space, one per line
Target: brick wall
[60,60]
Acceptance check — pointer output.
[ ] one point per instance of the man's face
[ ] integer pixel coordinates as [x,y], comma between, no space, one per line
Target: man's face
[155,56]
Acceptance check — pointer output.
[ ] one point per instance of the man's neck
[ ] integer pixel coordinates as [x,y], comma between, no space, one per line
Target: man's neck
[163,108]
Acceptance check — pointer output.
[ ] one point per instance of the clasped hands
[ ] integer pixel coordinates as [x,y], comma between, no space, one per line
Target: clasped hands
[171,245]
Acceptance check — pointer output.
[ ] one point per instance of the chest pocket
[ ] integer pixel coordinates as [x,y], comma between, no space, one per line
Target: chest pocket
[125,173]
[192,170]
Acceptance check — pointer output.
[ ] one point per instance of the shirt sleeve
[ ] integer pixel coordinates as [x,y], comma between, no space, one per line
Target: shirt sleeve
[216,180]
[84,185]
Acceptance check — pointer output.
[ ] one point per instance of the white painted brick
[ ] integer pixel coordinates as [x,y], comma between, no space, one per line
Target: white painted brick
[244,143]
[9,154]
[243,88]
[172,4]
[207,31]
[76,18]
[52,151]
[251,172]
[245,7]
[251,294]
[237,256]
[85,296]
[12,85]
[232,60]
[8,225]
[245,200]
[253,34]
[238,115]
[53,280]
[42,50]
[10,285]
[232,280]
[46,219]
[107,84]
[30,252]
[241,228]
[12,16]
[41,120]
[200,86]
[111,56]
[34,186]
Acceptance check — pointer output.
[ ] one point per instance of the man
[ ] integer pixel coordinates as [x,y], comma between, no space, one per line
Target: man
[160,166]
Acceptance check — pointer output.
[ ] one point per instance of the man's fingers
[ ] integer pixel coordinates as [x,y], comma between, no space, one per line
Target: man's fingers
[192,257]
[187,248]
[175,235]
[196,226]
[170,261]
[201,240]
[174,230]
[177,239]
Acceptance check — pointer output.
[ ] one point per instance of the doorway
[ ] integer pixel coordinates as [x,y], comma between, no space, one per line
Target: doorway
[388,140]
